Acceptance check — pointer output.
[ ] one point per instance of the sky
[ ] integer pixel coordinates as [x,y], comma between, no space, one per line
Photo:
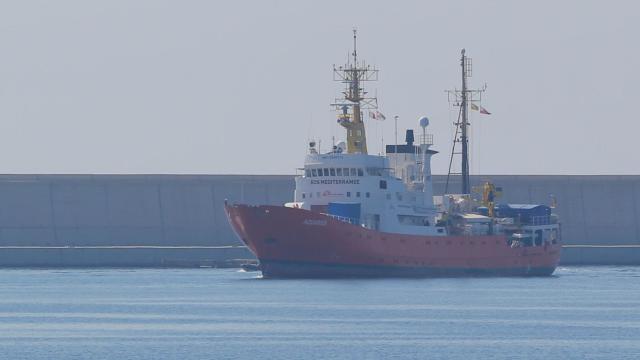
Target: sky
[239,87]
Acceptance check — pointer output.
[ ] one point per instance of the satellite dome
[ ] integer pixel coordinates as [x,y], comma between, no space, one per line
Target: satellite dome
[424,122]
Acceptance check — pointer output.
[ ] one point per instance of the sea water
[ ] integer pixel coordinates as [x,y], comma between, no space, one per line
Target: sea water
[580,313]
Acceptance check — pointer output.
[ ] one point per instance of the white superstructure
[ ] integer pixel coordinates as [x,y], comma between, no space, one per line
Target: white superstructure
[394,192]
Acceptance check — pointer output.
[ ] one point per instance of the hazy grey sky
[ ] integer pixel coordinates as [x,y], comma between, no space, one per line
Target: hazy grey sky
[239,86]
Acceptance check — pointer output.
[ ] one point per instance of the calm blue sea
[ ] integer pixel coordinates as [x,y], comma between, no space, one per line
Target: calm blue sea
[581,313]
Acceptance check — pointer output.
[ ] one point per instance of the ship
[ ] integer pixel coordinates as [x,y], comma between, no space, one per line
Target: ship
[356,214]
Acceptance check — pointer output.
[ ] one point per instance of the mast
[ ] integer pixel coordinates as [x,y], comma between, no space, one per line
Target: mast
[462,98]
[465,119]
[355,99]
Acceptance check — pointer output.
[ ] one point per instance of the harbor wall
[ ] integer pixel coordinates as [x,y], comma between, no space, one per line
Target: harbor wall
[167,220]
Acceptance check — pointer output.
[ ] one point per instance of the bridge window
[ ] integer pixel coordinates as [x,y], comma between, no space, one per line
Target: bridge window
[383,184]
[374,171]
[360,172]
[353,172]
[332,171]
[339,172]
[307,173]
[326,172]
[314,173]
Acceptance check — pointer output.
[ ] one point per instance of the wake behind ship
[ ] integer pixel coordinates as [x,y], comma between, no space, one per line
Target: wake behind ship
[361,215]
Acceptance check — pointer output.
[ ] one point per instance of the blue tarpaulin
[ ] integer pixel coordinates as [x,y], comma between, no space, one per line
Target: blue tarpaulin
[345,210]
[524,212]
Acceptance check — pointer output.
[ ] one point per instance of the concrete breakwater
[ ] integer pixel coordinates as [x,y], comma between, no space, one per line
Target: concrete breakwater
[179,220]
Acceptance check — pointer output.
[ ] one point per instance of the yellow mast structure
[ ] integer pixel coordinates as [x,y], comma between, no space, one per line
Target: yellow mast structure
[355,100]
[489,194]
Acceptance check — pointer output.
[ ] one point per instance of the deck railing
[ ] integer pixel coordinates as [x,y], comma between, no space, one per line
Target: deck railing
[540,220]
[343,218]
[426,139]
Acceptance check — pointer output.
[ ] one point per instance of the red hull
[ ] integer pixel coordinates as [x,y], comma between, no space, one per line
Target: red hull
[299,243]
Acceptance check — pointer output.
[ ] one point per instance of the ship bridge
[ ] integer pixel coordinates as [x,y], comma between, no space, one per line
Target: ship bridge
[367,186]
[338,160]
[343,177]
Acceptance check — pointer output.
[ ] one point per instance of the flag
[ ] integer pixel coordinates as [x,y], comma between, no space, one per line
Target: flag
[377,115]
[484,111]
[474,107]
